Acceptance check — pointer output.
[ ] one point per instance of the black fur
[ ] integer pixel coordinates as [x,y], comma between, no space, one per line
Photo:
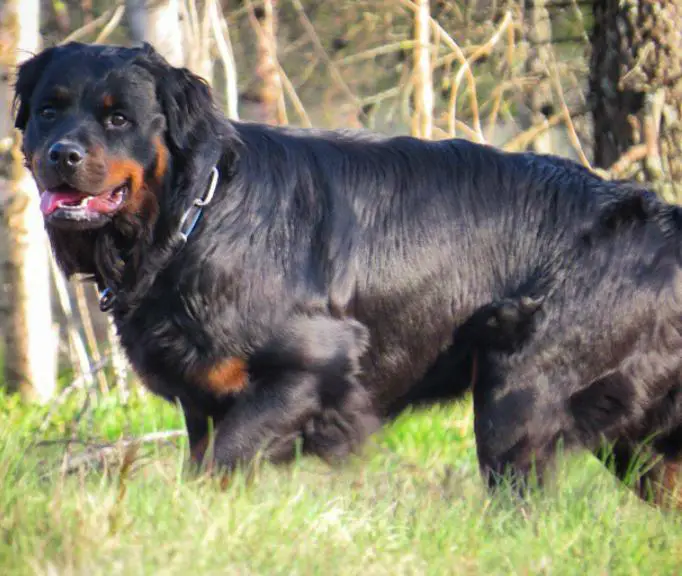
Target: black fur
[337,266]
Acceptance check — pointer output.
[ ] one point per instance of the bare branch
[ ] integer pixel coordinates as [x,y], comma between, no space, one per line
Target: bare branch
[221,35]
[322,53]
[111,25]
[90,337]
[90,26]
[634,154]
[523,140]
[79,355]
[377,51]
[572,134]
[295,100]
[106,454]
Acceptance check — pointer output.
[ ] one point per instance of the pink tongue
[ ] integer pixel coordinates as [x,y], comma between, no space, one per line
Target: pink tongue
[103,204]
[50,200]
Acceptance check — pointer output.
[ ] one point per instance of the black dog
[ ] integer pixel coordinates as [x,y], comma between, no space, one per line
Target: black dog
[295,285]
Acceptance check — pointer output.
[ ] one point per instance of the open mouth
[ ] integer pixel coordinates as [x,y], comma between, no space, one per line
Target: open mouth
[66,203]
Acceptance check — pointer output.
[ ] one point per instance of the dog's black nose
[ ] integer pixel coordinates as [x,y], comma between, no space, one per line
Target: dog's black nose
[66,155]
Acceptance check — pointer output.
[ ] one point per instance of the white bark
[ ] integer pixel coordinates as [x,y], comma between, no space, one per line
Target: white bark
[30,344]
[422,123]
[158,22]
[224,46]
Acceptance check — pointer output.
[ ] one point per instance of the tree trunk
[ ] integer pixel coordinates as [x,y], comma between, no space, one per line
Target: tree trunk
[422,120]
[30,344]
[157,22]
[179,33]
[271,94]
[636,87]
[540,98]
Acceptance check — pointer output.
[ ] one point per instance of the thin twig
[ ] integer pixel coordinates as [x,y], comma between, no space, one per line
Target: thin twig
[633,154]
[465,68]
[91,443]
[461,126]
[374,52]
[90,336]
[498,92]
[523,140]
[76,384]
[89,27]
[103,454]
[572,134]
[118,361]
[381,96]
[79,355]
[322,53]
[221,34]
[295,100]
[111,25]
[235,15]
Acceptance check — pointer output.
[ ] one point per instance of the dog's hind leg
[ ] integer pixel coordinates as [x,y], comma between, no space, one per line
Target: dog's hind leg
[640,442]
[651,469]
[518,426]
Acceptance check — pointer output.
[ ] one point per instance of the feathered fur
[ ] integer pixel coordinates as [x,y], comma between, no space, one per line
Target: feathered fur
[335,267]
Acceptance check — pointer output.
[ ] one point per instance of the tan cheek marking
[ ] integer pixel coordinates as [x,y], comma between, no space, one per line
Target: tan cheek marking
[121,170]
[161,161]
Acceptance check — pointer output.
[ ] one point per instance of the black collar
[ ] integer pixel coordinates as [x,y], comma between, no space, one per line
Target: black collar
[188,221]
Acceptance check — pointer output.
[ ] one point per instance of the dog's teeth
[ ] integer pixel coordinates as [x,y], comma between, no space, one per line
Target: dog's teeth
[84,202]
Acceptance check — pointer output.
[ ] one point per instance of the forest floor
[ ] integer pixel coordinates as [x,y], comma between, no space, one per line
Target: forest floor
[411,503]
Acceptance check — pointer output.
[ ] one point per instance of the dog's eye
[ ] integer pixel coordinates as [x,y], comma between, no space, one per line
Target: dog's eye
[47,113]
[117,120]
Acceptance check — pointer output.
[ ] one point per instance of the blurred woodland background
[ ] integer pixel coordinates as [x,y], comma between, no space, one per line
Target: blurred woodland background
[597,81]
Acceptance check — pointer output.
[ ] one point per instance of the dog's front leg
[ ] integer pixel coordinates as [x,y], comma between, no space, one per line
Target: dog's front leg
[302,387]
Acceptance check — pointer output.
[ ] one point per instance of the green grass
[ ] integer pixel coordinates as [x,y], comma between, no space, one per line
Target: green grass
[411,503]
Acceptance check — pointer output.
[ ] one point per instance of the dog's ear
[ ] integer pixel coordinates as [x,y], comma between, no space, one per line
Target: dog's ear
[28,75]
[185,99]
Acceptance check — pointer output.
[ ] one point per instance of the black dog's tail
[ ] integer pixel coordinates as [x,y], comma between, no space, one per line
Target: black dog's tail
[501,326]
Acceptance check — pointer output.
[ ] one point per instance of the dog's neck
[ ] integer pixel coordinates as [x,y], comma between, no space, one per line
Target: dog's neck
[130,253]
[144,260]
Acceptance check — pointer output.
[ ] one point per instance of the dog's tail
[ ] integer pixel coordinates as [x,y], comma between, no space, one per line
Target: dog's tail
[501,326]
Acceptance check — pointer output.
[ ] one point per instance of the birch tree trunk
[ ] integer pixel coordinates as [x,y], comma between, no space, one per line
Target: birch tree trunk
[30,343]
[422,120]
[158,22]
[540,99]
[177,30]
[271,94]
[636,88]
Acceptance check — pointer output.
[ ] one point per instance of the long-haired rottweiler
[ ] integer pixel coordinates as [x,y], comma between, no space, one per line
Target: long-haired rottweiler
[296,286]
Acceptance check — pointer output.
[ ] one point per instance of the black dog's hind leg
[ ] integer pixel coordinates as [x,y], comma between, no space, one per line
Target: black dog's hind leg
[655,476]
[639,441]
[303,389]
[518,424]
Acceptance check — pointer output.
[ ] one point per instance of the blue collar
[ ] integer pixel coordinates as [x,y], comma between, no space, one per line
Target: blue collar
[187,224]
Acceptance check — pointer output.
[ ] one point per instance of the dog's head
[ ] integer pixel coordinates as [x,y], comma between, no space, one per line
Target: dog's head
[101,126]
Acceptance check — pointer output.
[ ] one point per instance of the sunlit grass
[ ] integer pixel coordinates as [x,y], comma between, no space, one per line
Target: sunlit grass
[411,503]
